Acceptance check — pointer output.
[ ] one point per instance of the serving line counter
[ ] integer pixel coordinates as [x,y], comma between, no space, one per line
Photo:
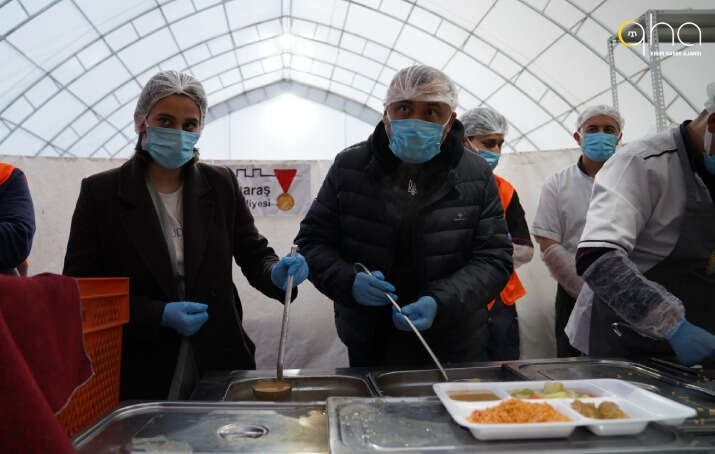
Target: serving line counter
[375,410]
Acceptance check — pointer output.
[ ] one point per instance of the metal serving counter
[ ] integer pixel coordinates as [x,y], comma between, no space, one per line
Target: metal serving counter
[415,383]
[373,411]
[308,385]
[410,425]
[208,427]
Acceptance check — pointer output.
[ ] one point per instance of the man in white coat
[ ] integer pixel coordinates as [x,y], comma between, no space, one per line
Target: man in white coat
[648,248]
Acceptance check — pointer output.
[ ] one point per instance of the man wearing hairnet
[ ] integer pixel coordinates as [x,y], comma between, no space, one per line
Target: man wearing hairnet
[484,132]
[561,213]
[174,225]
[648,248]
[424,217]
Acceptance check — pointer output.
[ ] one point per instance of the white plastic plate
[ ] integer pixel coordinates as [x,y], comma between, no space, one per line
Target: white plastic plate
[640,405]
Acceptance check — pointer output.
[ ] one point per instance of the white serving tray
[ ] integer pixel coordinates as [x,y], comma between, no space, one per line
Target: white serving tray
[640,405]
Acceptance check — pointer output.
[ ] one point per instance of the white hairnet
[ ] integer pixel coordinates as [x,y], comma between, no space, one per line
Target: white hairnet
[483,120]
[600,109]
[166,83]
[710,102]
[421,83]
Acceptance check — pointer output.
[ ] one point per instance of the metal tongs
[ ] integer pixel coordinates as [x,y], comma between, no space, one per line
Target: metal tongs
[409,322]
[696,373]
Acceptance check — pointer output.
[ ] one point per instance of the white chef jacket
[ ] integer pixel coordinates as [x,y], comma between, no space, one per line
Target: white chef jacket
[639,200]
[563,204]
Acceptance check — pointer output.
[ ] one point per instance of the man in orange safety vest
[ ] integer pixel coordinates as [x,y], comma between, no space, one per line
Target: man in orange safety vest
[484,131]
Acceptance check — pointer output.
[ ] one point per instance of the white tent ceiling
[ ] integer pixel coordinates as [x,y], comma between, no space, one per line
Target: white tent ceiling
[72,69]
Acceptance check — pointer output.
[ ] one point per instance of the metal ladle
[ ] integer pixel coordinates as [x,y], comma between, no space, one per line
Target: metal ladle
[278,389]
[409,322]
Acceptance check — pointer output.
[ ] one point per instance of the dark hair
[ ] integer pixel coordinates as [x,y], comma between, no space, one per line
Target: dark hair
[144,157]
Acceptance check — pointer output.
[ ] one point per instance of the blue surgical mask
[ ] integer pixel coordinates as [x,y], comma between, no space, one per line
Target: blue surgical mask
[170,148]
[599,146]
[491,158]
[709,159]
[415,141]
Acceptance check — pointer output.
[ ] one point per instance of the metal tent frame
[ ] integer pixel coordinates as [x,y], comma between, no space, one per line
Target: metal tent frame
[355,75]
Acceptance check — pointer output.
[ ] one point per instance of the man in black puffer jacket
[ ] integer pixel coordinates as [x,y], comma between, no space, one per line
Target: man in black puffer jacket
[425,217]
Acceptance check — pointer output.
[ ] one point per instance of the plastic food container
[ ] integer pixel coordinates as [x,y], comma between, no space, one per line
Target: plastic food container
[640,405]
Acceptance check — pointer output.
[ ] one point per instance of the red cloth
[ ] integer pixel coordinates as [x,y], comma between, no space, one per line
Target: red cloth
[42,360]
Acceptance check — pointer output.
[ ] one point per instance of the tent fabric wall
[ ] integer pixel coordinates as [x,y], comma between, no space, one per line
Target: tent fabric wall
[313,341]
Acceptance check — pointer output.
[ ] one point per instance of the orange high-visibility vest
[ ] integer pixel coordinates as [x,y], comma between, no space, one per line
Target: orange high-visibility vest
[5,172]
[513,289]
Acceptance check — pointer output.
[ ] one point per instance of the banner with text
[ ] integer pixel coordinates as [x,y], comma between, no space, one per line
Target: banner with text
[275,190]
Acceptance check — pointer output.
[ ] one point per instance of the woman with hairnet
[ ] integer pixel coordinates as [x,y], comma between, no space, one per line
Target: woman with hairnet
[424,217]
[647,251]
[484,131]
[173,226]
[561,213]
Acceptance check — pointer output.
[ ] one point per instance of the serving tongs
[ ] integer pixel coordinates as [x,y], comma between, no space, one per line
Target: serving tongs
[679,369]
[409,322]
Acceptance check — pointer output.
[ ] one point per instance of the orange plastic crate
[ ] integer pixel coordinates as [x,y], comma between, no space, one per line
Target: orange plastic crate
[105,308]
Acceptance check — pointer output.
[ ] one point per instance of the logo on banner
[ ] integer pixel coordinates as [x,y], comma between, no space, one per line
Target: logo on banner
[636,35]
[285,201]
[271,191]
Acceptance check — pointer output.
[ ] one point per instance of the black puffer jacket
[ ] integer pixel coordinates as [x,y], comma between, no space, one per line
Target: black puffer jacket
[450,242]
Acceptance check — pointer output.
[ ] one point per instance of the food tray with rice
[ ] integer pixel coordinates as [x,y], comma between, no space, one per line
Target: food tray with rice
[539,409]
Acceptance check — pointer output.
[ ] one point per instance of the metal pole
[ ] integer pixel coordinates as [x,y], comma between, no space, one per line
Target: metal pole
[612,43]
[284,324]
[656,76]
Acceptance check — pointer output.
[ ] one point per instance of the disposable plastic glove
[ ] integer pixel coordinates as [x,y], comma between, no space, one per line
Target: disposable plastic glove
[644,304]
[692,344]
[370,290]
[422,313]
[184,317]
[287,266]
[562,266]
[522,254]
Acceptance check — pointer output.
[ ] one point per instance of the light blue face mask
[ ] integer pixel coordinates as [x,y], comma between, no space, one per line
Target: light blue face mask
[491,157]
[599,146]
[415,141]
[170,148]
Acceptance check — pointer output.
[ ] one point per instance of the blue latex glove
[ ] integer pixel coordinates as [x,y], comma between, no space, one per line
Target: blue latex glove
[370,290]
[184,317]
[422,313]
[295,266]
[692,344]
